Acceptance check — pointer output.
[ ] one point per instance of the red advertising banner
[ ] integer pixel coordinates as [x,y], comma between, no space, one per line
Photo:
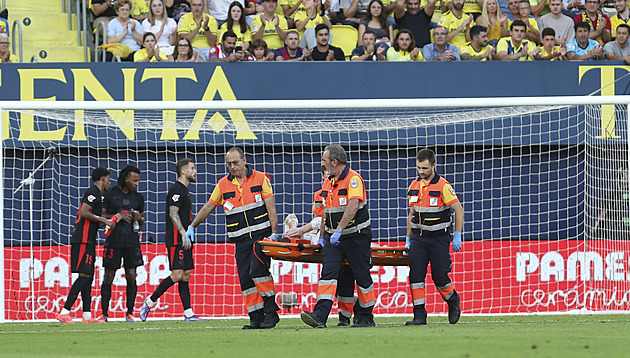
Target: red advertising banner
[491,277]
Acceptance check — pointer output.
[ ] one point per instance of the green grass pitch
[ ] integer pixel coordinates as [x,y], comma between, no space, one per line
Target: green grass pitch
[474,336]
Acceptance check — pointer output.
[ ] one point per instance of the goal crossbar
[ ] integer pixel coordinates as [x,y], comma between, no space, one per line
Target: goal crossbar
[319,104]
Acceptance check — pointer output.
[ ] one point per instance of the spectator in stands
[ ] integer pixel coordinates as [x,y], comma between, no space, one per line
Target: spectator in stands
[125,30]
[560,23]
[619,49]
[237,23]
[404,48]
[4,23]
[533,32]
[608,7]
[473,8]
[369,50]
[582,47]
[514,14]
[139,10]
[503,5]
[260,52]
[150,51]
[292,50]
[175,9]
[440,50]
[539,7]
[494,20]
[515,47]
[324,51]
[457,24]
[376,20]
[331,9]
[477,49]
[353,11]
[269,26]
[201,29]
[290,8]
[549,50]
[5,53]
[415,19]
[220,10]
[441,6]
[164,28]
[306,21]
[622,16]
[572,8]
[599,23]
[388,9]
[255,8]
[103,11]
[184,52]
[227,50]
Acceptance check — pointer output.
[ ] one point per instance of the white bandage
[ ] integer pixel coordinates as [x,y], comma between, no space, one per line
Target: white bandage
[317,223]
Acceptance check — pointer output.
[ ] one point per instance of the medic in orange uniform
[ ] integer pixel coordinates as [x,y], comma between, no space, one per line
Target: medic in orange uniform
[431,199]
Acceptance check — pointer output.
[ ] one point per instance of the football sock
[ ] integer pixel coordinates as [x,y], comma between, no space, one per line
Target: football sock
[184,294]
[87,315]
[106,295]
[162,287]
[189,312]
[77,286]
[150,302]
[132,290]
[86,295]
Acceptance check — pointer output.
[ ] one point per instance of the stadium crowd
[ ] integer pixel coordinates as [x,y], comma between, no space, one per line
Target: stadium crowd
[384,30]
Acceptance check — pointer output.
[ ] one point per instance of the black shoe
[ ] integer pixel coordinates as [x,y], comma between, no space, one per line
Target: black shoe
[366,322]
[343,321]
[252,325]
[270,321]
[453,311]
[312,320]
[416,322]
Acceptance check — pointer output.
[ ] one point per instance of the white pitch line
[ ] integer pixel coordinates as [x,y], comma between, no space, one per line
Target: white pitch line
[136,328]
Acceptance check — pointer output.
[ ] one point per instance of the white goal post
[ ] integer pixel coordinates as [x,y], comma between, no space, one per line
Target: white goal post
[543,180]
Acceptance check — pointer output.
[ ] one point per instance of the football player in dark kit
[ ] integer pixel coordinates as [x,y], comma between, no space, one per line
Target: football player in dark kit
[83,245]
[127,204]
[180,257]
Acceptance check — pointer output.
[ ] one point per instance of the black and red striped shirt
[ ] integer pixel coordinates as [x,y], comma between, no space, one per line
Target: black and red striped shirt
[178,196]
[85,231]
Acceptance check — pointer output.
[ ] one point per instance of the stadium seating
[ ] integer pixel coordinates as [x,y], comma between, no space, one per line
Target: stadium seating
[45,31]
[345,37]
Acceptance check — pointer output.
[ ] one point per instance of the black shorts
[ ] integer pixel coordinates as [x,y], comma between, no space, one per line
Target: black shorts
[82,258]
[131,255]
[180,259]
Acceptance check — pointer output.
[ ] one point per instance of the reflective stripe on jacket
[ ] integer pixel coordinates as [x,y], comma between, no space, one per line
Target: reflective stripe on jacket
[430,213]
[335,194]
[246,215]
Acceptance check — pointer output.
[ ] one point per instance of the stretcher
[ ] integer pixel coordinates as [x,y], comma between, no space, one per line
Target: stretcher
[300,250]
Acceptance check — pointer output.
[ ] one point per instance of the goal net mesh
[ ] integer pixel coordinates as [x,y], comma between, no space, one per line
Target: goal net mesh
[544,189]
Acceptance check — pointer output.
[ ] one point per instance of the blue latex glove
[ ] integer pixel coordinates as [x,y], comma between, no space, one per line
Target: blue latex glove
[321,242]
[407,242]
[457,241]
[334,239]
[189,237]
[274,237]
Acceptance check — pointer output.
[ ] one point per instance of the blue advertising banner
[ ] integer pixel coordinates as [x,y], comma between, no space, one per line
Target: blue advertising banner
[469,152]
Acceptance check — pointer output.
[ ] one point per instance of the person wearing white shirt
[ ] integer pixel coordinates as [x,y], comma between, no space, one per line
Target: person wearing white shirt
[164,28]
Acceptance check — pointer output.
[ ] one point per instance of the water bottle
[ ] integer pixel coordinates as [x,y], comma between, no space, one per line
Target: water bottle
[108,230]
[136,226]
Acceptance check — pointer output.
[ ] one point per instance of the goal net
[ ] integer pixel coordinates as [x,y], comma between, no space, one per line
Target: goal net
[544,188]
